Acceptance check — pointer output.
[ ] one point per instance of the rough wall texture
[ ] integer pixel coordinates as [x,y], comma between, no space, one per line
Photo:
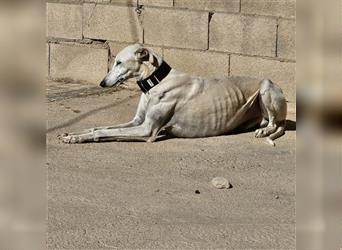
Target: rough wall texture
[212,38]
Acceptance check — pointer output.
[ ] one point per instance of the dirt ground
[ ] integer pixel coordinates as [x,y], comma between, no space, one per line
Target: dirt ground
[129,195]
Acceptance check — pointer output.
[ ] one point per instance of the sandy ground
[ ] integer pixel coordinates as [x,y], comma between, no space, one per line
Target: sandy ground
[142,195]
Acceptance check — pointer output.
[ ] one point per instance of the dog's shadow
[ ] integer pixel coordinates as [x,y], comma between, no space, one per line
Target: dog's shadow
[290,126]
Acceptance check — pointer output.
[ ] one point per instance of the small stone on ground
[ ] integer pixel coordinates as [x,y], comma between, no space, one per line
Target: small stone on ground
[220,183]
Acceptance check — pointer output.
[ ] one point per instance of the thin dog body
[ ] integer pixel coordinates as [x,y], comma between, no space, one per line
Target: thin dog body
[188,106]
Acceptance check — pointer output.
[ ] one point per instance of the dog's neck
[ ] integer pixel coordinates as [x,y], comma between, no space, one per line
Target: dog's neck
[149,67]
[152,73]
[146,70]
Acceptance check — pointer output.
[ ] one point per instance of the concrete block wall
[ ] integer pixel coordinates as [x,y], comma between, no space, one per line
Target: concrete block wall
[211,38]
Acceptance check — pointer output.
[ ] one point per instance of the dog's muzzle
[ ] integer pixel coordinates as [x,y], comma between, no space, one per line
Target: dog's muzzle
[103,83]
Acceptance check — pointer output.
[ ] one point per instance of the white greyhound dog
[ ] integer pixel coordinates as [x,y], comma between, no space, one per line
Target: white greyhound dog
[188,106]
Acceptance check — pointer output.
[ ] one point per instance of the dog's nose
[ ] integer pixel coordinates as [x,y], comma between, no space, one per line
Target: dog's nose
[103,83]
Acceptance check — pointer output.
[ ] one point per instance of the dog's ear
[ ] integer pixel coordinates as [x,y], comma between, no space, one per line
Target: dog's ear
[142,54]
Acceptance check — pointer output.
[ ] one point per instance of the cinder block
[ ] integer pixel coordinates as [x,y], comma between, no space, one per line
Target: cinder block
[110,22]
[282,8]
[243,34]
[206,64]
[287,39]
[216,5]
[66,1]
[47,58]
[176,28]
[282,73]
[64,20]
[116,47]
[78,63]
[97,1]
[165,3]
[126,2]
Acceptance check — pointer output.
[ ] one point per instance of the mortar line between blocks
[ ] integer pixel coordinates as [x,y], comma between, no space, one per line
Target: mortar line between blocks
[49,59]
[208,31]
[229,64]
[277,37]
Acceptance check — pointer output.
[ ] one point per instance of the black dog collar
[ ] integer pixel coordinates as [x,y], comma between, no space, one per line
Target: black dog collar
[158,75]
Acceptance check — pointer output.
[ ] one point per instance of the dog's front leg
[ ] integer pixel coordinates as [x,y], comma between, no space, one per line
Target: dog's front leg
[136,121]
[156,118]
[138,133]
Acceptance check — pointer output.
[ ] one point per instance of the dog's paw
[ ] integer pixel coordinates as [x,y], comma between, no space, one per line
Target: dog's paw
[60,136]
[70,139]
[259,133]
[269,141]
[263,132]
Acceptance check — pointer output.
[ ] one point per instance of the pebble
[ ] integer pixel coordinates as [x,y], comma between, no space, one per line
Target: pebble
[197,191]
[220,182]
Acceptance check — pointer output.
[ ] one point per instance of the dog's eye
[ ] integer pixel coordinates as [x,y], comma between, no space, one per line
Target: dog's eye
[118,63]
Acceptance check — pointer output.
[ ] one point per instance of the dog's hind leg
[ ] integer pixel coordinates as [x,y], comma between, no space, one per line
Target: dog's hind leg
[273,107]
[278,133]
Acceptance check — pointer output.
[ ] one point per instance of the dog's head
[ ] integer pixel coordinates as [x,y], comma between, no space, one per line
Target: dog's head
[133,61]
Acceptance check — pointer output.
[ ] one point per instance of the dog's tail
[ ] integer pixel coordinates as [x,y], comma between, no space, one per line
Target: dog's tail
[278,133]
